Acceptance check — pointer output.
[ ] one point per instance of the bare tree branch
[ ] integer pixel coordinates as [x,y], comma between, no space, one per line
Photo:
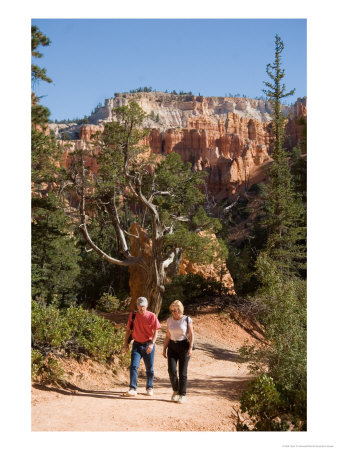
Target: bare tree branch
[227,208]
[180,218]
[83,227]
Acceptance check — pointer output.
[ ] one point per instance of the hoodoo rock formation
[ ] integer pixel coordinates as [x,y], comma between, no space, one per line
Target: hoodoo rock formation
[231,152]
[228,137]
[295,128]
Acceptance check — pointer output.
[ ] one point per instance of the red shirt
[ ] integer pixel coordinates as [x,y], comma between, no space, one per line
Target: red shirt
[144,326]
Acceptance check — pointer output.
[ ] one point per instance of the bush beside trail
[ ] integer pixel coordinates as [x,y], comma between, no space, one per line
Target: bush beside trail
[71,332]
[277,400]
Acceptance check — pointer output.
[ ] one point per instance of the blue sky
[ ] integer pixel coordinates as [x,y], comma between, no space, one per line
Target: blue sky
[91,59]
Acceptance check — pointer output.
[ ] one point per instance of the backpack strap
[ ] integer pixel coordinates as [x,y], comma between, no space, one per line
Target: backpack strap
[132,321]
[131,327]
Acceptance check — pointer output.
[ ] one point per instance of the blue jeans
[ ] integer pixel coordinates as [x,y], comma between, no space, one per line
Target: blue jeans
[139,351]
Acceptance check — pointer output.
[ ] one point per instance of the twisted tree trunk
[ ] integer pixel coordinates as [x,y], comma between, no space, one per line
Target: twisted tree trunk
[147,276]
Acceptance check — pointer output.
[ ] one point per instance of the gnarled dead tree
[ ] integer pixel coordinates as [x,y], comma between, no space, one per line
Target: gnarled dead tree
[161,194]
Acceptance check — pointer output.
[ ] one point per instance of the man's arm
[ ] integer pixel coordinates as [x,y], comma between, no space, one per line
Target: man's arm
[126,344]
[152,343]
[155,336]
[128,333]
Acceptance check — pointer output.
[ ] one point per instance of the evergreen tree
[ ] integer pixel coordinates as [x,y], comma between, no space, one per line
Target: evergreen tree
[275,93]
[284,214]
[54,256]
[38,39]
[282,292]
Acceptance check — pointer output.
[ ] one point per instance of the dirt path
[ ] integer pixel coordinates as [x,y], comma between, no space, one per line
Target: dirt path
[216,379]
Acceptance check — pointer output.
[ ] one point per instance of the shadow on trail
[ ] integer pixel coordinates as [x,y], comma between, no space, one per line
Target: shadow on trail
[211,350]
[75,391]
[219,353]
[230,388]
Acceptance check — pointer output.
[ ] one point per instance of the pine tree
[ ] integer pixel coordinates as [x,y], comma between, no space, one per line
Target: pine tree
[281,292]
[284,218]
[38,38]
[276,92]
[54,256]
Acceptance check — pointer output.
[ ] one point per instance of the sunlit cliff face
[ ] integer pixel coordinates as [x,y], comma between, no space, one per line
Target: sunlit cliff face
[230,138]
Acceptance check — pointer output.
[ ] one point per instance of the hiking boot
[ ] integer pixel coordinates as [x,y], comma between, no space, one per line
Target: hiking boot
[181,399]
[175,397]
[131,393]
[150,392]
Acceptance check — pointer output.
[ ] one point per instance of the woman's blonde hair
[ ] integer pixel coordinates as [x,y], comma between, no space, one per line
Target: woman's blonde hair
[178,304]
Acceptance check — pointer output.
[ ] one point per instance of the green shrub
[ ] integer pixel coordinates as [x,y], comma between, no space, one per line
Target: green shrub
[261,401]
[108,303]
[261,397]
[189,289]
[94,335]
[45,370]
[285,325]
[49,326]
[125,359]
[36,364]
[75,331]
[283,301]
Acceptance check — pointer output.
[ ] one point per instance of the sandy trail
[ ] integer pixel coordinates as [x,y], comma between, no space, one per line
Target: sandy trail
[216,378]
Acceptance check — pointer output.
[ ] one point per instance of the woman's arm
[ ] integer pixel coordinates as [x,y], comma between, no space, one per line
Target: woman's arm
[166,342]
[191,337]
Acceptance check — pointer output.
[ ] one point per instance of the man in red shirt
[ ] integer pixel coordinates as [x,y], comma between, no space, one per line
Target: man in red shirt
[144,333]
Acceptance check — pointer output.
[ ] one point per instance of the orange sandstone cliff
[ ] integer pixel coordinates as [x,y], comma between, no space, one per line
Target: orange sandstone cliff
[228,137]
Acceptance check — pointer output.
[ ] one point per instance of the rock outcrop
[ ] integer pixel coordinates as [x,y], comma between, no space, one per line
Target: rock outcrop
[208,271]
[86,132]
[174,111]
[230,138]
[295,127]
[230,151]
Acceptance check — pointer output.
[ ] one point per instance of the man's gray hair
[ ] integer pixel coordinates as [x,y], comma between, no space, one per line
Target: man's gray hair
[142,301]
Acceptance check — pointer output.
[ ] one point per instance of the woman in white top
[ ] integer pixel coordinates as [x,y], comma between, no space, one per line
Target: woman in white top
[179,342]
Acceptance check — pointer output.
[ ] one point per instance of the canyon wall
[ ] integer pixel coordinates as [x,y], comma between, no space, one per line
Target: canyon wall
[230,138]
[230,151]
[174,111]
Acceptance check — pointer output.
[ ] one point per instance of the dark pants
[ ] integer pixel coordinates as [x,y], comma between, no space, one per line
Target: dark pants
[177,352]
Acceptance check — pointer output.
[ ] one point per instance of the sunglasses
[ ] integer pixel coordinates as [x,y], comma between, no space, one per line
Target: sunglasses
[174,310]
